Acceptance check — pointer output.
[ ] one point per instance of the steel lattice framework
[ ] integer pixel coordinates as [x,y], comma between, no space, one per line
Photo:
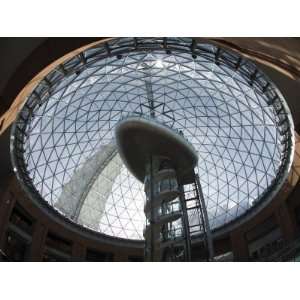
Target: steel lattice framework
[63,139]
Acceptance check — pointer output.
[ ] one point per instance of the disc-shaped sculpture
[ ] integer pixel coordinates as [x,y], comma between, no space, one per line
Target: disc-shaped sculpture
[139,138]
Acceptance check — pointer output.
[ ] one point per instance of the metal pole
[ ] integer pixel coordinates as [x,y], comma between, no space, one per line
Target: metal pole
[206,224]
[185,223]
[151,221]
[201,219]
[204,229]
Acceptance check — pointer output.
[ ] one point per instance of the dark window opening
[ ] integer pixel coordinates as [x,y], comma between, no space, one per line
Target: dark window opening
[20,219]
[267,245]
[15,247]
[57,243]
[49,256]
[133,258]
[92,255]
[261,229]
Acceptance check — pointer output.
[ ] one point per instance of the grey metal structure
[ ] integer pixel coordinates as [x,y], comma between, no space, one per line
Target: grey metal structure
[164,161]
[232,114]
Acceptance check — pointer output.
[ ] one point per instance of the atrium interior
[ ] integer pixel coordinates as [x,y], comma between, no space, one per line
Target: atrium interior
[150,149]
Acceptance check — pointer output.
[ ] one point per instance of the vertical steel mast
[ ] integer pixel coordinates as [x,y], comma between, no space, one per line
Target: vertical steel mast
[164,161]
[153,144]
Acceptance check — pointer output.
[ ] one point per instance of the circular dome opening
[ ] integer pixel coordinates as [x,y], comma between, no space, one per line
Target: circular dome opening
[63,144]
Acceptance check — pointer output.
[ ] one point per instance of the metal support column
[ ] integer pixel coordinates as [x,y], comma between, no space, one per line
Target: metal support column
[185,220]
[206,221]
[151,221]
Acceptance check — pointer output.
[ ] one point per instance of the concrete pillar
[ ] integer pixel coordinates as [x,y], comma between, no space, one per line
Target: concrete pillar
[38,242]
[7,203]
[239,246]
[78,252]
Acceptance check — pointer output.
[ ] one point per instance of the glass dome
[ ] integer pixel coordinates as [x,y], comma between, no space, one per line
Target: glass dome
[63,143]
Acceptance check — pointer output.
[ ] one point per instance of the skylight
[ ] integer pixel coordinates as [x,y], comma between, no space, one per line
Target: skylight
[64,149]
